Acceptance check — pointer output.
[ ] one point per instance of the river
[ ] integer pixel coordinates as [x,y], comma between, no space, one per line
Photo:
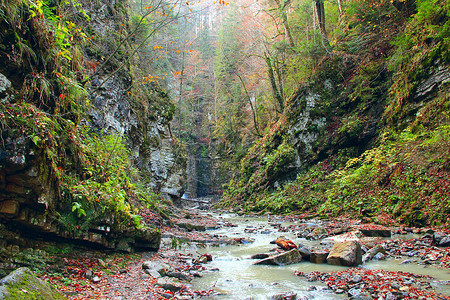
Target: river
[238,278]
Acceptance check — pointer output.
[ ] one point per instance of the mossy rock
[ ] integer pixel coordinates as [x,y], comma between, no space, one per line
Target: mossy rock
[23,284]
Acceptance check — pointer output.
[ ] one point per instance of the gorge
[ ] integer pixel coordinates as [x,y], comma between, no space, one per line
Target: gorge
[114,111]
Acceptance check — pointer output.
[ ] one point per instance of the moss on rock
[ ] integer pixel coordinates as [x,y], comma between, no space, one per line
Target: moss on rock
[22,284]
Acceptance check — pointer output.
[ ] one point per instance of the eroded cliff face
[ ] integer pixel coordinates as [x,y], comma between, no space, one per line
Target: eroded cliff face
[156,153]
[42,143]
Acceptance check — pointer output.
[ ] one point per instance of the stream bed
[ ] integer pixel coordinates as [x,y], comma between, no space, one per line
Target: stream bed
[236,277]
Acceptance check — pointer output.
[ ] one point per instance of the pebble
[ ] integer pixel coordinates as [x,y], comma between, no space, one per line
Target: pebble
[390,296]
[88,274]
[379,256]
[406,261]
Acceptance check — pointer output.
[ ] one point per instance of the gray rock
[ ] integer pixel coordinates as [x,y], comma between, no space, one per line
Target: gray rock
[178,275]
[379,256]
[284,296]
[437,237]
[260,256]
[306,254]
[376,232]
[24,285]
[406,261]
[345,254]
[155,269]
[88,274]
[282,259]
[319,256]
[5,84]
[169,284]
[102,263]
[445,242]
[390,296]
[356,294]
[432,82]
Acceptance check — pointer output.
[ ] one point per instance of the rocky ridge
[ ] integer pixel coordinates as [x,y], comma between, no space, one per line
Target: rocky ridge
[35,131]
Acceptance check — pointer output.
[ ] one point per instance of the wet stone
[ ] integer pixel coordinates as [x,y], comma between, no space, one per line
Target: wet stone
[319,256]
[169,284]
[345,254]
[284,296]
[445,242]
[282,259]
[259,256]
[356,279]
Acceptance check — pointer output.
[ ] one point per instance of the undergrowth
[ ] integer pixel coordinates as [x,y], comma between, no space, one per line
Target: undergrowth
[90,175]
[384,149]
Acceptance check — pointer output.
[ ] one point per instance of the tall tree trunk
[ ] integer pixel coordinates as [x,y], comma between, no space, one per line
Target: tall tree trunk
[321,17]
[276,93]
[284,20]
[255,119]
[287,29]
[340,7]
[180,96]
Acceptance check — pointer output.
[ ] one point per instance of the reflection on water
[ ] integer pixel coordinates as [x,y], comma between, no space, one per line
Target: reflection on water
[237,278]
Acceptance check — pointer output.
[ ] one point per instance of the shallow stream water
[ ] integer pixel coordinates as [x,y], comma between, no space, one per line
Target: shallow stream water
[238,278]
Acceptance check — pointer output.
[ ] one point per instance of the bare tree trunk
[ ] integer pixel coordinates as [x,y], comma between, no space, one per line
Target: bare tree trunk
[180,99]
[287,29]
[255,119]
[321,17]
[340,7]
[276,93]
[284,20]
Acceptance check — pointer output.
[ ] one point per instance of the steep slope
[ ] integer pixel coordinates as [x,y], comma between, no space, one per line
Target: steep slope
[85,150]
[368,134]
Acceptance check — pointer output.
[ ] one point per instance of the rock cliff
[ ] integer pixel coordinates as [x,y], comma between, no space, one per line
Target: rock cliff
[62,106]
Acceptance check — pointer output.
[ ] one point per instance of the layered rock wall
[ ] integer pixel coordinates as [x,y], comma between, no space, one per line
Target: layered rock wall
[30,193]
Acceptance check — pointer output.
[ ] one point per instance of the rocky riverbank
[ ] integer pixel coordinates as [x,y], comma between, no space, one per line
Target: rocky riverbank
[182,259]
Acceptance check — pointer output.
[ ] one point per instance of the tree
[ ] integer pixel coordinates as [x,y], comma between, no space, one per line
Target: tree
[320,11]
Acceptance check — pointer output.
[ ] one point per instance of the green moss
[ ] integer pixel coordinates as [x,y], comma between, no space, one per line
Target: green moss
[396,167]
[29,287]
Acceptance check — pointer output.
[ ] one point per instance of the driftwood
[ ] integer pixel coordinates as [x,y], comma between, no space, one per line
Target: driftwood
[285,244]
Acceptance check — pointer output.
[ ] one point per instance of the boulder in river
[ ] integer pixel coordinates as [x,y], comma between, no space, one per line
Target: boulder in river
[305,252]
[284,296]
[376,232]
[345,254]
[282,259]
[260,256]
[23,284]
[319,256]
